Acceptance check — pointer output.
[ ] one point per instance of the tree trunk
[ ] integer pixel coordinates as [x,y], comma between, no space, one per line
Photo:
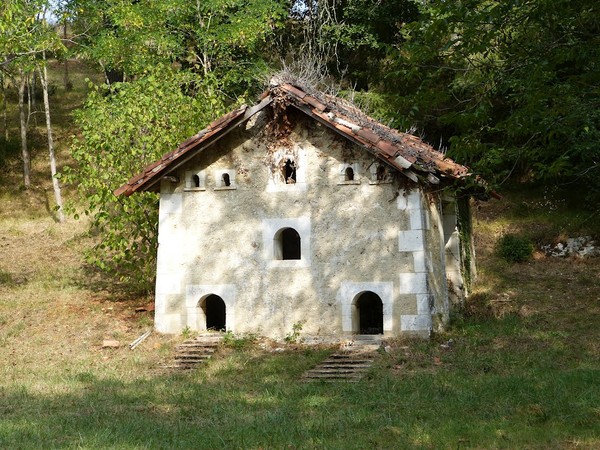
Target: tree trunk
[66,79]
[24,149]
[43,73]
[4,115]
[31,97]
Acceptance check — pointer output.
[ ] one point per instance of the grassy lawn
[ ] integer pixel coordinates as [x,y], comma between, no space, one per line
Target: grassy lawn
[523,370]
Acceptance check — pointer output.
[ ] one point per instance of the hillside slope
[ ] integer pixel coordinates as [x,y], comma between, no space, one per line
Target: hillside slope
[518,367]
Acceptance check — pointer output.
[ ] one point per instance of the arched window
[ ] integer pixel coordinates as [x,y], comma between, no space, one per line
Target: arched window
[226,179]
[289,172]
[287,244]
[349,174]
[196,181]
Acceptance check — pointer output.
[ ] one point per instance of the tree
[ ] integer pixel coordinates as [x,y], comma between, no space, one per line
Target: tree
[510,87]
[24,124]
[170,67]
[229,39]
[123,128]
[4,108]
[124,38]
[352,37]
[25,36]
[223,38]
[43,73]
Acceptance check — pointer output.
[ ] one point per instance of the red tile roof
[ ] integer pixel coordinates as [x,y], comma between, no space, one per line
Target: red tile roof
[406,153]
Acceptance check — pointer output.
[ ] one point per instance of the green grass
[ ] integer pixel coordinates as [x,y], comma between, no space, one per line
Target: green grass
[523,370]
[548,213]
[522,373]
[254,400]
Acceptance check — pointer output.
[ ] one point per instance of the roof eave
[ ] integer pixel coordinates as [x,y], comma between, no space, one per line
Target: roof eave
[149,179]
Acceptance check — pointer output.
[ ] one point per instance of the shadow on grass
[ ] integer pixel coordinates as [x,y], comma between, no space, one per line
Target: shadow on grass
[256,401]
[92,279]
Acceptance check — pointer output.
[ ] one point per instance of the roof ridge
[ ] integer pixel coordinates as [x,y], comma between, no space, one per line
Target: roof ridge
[402,151]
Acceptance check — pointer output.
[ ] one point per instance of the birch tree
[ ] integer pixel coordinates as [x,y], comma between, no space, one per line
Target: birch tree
[43,73]
[24,125]
[26,37]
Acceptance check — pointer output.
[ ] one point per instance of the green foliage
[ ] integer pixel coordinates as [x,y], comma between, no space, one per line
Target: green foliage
[294,336]
[510,87]
[122,129]
[352,37]
[515,249]
[186,332]
[239,341]
[25,34]
[8,150]
[225,38]
[230,38]
[218,49]
[129,37]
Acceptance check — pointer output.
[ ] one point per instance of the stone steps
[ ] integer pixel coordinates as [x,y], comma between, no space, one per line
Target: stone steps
[341,367]
[349,364]
[191,353]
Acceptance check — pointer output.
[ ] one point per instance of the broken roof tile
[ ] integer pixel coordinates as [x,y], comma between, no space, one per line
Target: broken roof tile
[343,128]
[297,92]
[387,148]
[315,103]
[368,135]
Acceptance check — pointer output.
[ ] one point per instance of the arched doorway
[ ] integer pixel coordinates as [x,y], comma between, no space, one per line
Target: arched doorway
[213,307]
[370,313]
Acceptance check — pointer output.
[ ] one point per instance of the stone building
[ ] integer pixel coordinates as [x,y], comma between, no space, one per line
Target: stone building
[301,211]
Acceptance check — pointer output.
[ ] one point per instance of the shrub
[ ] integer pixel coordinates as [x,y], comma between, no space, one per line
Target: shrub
[294,336]
[5,277]
[8,150]
[515,248]
[238,342]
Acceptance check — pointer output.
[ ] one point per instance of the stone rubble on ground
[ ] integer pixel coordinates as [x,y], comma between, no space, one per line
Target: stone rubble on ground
[583,246]
[448,345]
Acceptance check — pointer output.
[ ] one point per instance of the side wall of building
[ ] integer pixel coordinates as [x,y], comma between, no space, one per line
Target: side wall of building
[361,230]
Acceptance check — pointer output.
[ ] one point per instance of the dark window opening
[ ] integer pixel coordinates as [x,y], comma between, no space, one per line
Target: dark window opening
[380,172]
[226,180]
[370,313]
[289,172]
[290,244]
[196,181]
[214,310]
[349,174]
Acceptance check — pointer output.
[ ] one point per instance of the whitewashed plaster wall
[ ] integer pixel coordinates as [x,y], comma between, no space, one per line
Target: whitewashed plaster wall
[356,236]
